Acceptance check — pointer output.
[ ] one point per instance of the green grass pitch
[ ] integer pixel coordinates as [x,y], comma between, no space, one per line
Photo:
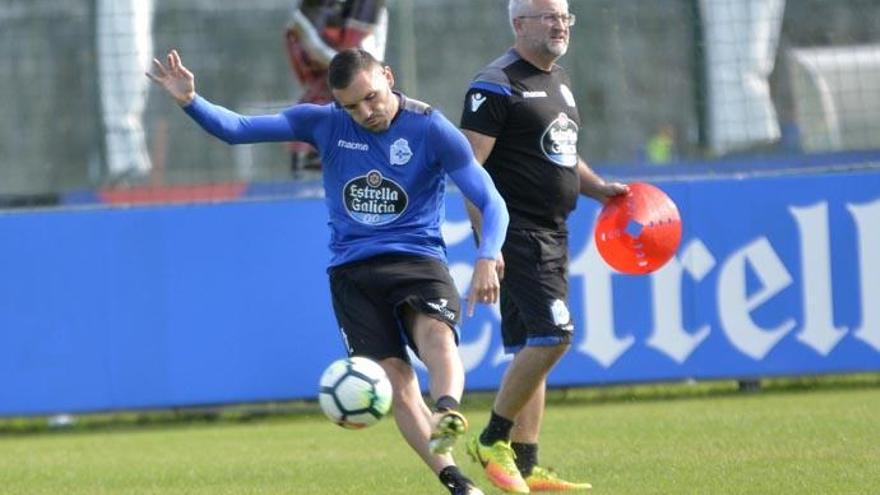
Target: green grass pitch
[636,441]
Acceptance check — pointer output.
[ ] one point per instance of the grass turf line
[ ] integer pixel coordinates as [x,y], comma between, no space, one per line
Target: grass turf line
[804,436]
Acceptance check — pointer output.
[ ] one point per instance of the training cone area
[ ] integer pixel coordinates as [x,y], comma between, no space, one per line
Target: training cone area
[637,233]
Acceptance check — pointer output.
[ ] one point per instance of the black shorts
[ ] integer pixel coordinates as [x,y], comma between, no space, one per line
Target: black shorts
[534,291]
[369,297]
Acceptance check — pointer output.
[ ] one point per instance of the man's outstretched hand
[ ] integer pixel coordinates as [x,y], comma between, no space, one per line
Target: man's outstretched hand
[177,80]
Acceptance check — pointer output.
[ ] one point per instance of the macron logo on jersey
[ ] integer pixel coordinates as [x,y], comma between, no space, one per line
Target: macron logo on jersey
[477,100]
[353,146]
[439,305]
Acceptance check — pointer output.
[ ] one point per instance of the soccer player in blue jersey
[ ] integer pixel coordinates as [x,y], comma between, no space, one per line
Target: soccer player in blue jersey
[385,159]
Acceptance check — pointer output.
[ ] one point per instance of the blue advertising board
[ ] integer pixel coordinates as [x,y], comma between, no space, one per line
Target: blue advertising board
[774,276]
[152,307]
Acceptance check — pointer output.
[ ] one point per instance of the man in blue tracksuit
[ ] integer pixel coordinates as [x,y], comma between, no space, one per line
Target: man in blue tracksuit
[385,159]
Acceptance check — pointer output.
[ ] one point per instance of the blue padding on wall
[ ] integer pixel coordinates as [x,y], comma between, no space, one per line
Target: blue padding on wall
[164,306]
[154,307]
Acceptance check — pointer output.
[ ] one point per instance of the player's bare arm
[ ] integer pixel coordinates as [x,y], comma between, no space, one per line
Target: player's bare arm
[594,186]
[481,144]
[176,79]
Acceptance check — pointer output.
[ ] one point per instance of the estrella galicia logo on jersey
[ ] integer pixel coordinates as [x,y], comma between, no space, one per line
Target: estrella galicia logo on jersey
[400,152]
[477,100]
[559,141]
[373,199]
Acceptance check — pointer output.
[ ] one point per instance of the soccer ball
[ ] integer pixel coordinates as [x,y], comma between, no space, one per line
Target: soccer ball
[355,392]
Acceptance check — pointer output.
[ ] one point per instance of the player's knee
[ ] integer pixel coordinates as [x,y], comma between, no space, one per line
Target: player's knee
[406,398]
[559,349]
[400,373]
[549,353]
[443,340]
[405,392]
[434,334]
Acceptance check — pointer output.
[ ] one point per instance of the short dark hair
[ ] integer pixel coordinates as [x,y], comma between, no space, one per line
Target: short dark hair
[346,64]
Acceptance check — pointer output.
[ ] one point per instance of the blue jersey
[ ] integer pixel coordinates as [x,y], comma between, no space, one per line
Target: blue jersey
[384,190]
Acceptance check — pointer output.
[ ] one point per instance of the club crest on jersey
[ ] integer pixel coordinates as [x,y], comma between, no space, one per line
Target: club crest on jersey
[373,199]
[561,316]
[477,100]
[559,142]
[400,152]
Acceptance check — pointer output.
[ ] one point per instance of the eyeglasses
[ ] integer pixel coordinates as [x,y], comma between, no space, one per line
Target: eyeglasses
[552,19]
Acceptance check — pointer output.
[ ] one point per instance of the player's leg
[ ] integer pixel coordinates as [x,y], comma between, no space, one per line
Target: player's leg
[536,325]
[524,442]
[548,324]
[435,341]
[527,424]
[525,375]
[412,415]
[527,430]
[415,421]
[436,344]
[428,307]
[520,398]
[491,448]
[370,326]
[427,311]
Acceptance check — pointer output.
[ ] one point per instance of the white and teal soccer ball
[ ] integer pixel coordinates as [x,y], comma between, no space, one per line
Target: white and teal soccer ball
[355,392]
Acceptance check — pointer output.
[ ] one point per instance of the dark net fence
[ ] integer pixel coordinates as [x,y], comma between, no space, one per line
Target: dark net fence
[660,81]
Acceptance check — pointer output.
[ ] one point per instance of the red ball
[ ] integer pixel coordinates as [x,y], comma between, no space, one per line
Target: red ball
[638,232]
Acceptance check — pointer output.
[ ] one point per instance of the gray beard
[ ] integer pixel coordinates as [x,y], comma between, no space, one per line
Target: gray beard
[556,50]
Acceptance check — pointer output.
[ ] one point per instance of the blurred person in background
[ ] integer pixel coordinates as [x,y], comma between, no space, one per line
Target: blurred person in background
[522,121]
[386,158]
[318,29]
[660,148]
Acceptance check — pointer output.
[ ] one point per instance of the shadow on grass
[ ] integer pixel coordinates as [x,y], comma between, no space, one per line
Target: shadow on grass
[309,410]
